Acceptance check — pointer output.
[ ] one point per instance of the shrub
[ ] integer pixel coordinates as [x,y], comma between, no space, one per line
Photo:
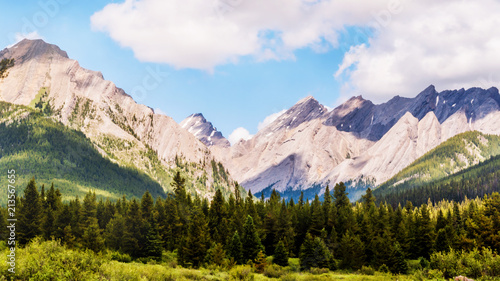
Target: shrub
[274,271]
[367,270]
[116,256]
[383,268]
[318,271]
[242,272]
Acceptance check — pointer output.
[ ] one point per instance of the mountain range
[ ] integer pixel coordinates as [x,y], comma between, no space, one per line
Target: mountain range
[306,148]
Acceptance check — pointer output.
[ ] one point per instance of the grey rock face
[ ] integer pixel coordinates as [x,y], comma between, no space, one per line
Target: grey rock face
[309,146]
[203,130]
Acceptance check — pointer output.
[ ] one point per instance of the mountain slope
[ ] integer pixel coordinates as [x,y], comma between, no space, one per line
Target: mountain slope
[457,153]
[126,132]
[204,130]
[34,145]
[475,181]
[358,142]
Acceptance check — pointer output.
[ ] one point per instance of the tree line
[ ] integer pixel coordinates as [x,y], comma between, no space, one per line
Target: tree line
[333,233]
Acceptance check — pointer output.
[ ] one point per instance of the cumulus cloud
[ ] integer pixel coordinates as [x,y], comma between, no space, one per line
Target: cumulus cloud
[239,134]
[451,44]
[270,119]
[399,47]
[202,34]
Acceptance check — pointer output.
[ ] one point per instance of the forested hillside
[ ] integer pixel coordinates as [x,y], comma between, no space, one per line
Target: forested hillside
[457,153]
[33,144]
[473,182]
[451,238]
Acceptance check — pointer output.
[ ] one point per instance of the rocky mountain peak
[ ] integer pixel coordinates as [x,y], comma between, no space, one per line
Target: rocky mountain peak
[26,50]
[304,110]
[203,130]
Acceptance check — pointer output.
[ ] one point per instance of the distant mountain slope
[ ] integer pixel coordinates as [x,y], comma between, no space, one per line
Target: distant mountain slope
[455,154]
[358,142]
[475,181]
[130,134]
[204,130]
[36,146]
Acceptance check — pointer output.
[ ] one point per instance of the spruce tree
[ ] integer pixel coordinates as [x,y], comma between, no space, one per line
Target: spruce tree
[195,246]
[92,238]
[114,232]
[397,262]
[216,215]
[314,253]
[133,239]
[250,240]
[236,249]
[30,211]
[351,251]
[280,254]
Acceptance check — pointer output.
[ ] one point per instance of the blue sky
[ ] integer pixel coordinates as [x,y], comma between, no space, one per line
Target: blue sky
[244,60]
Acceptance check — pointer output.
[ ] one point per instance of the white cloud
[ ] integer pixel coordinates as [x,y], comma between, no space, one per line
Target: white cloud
[270,119]
[202,34]
[238,134]
[451,44]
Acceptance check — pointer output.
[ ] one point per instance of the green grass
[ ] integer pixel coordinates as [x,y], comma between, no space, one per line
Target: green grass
[50,260]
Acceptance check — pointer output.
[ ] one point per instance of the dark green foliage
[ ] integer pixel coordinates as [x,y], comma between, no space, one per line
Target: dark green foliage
[280,254]
[92,238]
[438,180]
[351,251]
[236,249]
[364,235]
[250,240]
[314,253]
[30,213]
[196,243]
[397,262]
[4,65]
[55,153]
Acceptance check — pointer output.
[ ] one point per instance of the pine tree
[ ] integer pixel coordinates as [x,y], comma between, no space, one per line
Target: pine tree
[424,239]
[30,211]
[236,249]
[280,254]
[351,251]
[195,246]
[216,215]
[92,238]
[397,262]
[314,253]
[153,244]
[216,255]
[179,188]
[132,243]
[317,217]
[250,240]
[114,232]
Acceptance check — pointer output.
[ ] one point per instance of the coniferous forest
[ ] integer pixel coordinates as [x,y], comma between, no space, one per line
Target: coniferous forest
[269,236]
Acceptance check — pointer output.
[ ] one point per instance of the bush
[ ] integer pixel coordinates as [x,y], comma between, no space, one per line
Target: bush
[116,256]
[367,270]
[318,271]
[294,264]
[383,268]
[473,264]
[242,272]
[274,271]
